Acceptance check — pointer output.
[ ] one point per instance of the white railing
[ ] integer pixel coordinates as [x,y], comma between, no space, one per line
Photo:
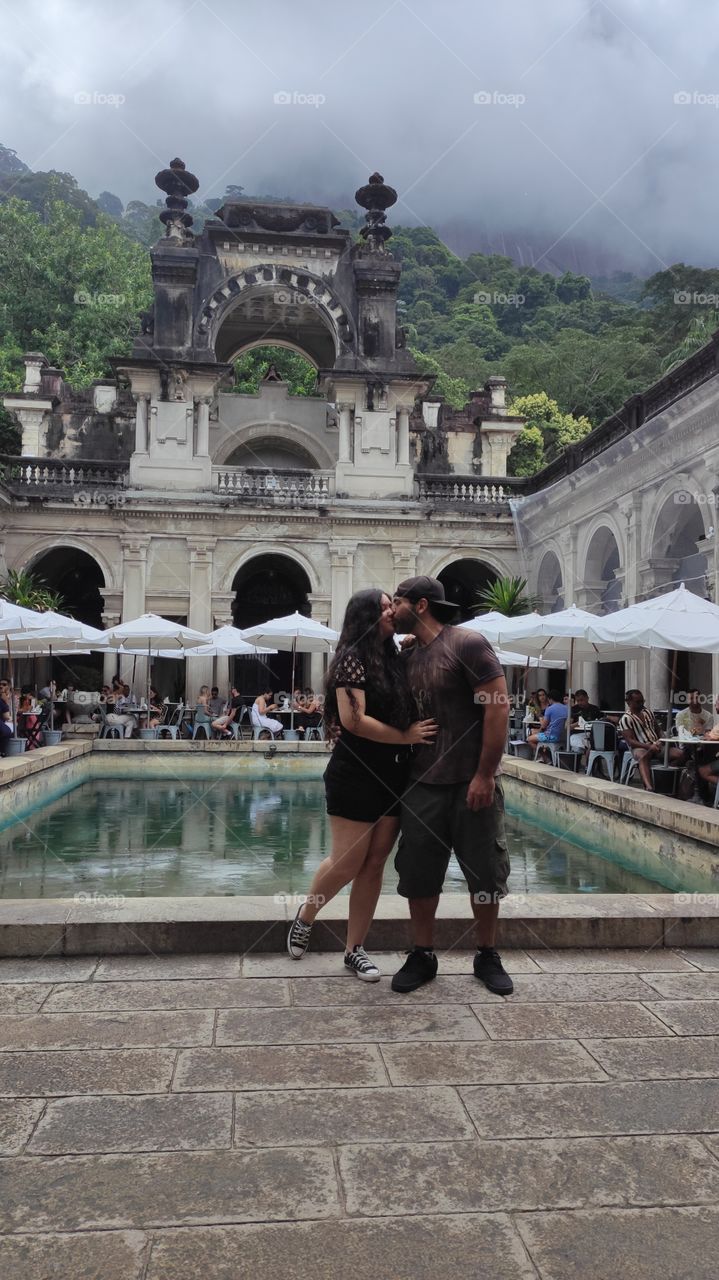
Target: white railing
[283,488]
[465,490]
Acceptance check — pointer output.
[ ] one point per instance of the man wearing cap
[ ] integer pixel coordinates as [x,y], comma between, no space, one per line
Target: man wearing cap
[453,800]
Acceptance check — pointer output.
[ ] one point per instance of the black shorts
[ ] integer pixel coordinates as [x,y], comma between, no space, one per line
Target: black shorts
[436,823]
[359,793]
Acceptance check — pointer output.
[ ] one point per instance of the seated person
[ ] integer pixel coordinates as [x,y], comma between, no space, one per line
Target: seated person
[709,765]
[310,713]
[115,705]
[694,719]
[581,707]
[552,727]
[157,710]
[28,718]
[217,704]
[6,725]
[262,704]
[202,708]
[230,715]
[640,732]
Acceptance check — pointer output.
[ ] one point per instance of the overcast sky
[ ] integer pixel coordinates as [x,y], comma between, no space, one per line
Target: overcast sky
[577,133]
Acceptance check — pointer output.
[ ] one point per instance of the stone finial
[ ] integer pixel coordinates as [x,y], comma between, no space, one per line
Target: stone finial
[375,197]
[178,183]
[35,362]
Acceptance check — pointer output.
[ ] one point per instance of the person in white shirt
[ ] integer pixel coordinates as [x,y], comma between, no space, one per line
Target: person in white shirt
[694,719]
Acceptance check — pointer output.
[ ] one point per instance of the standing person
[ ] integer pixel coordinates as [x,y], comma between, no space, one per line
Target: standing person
[453,801]
[368,701]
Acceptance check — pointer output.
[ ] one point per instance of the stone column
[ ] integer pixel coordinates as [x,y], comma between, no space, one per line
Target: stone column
[345,408]
[203,426]
[109,660]
[320,605]
[342,573]
[199,554]
[403,435]
[134,583]
[222,664]
[142,442]
[404,560]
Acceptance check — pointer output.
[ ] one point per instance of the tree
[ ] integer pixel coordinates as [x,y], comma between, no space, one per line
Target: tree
[546,425]
[507,596]
[292,367]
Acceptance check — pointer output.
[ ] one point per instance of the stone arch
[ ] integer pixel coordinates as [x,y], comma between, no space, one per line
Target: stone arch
[276,549]
[43,546]
[550,583]
[235,437]
[678,508]
[270,583]
[462,577]
[293,306]
[602,560]
[496,566]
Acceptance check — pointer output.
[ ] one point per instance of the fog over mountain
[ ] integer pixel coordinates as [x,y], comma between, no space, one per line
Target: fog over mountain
[567,134]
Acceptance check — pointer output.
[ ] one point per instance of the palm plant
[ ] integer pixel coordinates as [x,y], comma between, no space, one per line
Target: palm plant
[507,596]
[29,591]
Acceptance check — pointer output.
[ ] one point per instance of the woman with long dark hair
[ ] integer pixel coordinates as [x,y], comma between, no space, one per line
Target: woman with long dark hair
[369,706]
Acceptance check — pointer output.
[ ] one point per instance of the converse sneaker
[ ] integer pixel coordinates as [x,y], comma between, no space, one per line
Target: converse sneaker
[489,969]
[358,962]
[298,938]
[419,967]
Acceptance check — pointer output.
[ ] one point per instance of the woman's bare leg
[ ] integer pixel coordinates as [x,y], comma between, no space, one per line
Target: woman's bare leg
[350,846]
[367,884]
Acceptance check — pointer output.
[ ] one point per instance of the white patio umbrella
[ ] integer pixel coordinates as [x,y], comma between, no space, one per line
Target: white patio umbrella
[227,642]
[678,619]
[49,632]
[497,627]
[153,635]
[296,633]
[507,659]
[568,635]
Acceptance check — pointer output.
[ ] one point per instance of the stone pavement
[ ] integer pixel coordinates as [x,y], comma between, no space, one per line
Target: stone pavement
[213,1116]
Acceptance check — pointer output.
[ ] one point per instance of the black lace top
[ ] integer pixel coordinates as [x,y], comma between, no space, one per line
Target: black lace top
[350,674]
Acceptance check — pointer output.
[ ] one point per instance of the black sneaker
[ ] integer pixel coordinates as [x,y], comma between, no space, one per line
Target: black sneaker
[298,938]
[489,969]
[358,962]
[419,967]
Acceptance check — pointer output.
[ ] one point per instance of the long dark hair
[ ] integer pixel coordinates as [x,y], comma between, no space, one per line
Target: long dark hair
[383,666]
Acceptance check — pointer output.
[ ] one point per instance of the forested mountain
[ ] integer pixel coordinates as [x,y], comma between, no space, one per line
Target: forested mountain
[75,273]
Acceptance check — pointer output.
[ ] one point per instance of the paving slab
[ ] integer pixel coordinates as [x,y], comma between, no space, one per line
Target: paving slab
[62,1072]
[222,993]
[702,957]
[677,1057]
[568,1021]
[577,1110]
[105,1030]
[688,1017]
[315,964]
[169,1122]
[680,986]
[408,1248]
[301,1117]
[458,961]
[611,960]
[496,1062]
[21,997]
[54,969]
[79,1193]
[18,1117]
[560,988]
[154,968]
[316,1067]
[629,1244]
[111,1255]
[345,989]
[333,1025]
[466,1177]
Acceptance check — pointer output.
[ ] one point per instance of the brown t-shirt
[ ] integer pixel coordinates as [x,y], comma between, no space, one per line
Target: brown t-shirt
[443,676]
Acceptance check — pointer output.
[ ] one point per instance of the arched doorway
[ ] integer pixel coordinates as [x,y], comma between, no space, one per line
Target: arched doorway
[679,535]
[79,580]
[549,585]
[602,563]
[463,580]
[269,586]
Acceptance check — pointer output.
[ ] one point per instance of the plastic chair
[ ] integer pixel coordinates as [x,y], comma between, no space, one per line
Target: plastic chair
[603,747]
[628,769]
[206,727]
[520,748]
[172,726]
[553,747]
[108,730]
[315,731]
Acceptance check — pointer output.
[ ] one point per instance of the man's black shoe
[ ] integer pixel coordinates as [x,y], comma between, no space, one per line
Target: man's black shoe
[489,969]
[419,967]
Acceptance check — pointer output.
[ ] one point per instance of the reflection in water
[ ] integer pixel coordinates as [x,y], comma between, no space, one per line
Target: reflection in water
[228,837]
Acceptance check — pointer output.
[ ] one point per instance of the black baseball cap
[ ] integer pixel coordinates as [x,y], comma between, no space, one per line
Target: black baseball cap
[425,588]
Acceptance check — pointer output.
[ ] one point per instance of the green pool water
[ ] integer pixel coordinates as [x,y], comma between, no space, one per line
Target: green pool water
[251,836]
